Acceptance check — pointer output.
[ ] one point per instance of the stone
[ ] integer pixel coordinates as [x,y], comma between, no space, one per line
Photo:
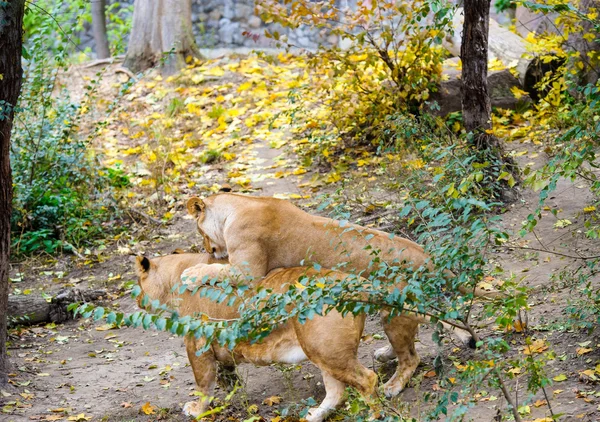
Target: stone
[254,22]
[332,40]
[215,15]
[228,9]
[227,31]
[448,96]
[243,11]
[527,21]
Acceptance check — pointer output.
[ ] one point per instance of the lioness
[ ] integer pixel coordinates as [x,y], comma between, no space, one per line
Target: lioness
[330,341]
[259,234]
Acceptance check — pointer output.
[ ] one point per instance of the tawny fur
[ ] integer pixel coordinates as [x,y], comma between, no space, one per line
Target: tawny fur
[260,234]
[330,342]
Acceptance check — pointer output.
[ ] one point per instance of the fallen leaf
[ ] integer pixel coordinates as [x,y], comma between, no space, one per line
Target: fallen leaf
[536,346]
[559,378]
[583,350]
[540,403]
[270,401]
[79,418]
[148,409]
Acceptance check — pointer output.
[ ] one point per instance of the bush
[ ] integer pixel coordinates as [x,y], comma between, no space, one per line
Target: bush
[391,62]
[63,196]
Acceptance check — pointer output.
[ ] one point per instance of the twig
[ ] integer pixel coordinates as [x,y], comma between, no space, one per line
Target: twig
[74,251]
[376,216]
[583,258]
[127,72]
[147,217]
[109,60]
[507,396]
[548,402]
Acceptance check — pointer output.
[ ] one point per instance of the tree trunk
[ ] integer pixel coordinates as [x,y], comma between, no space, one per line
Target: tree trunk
[161,34]
[503,45]
[11,41]
[99,28]
[35,309]
[476,104]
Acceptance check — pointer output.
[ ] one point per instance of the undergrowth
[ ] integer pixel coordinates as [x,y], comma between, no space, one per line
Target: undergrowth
[64,197]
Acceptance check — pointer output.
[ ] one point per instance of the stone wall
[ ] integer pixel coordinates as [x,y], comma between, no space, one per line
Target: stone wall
[232,23]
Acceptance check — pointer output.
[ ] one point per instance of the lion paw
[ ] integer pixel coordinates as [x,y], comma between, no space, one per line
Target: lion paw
[317,414]
[385,354]
[194,408]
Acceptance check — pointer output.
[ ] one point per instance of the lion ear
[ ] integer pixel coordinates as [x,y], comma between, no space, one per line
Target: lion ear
[142,264]
[195,206]
[225,188]
[178,251]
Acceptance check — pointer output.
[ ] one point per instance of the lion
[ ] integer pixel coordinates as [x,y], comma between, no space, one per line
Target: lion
[330,341]
[260,234]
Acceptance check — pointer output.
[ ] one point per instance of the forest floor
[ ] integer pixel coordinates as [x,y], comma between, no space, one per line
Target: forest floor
[81,370]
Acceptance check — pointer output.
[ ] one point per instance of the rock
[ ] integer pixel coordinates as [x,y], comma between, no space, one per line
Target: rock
[215,15]
[228,9]
[448,96]
[332,40]
[227,30]
[303,41]
[254,22]
[243,11]
[529,21]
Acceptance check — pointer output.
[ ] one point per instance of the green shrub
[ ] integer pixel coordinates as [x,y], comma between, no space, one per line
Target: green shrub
[63,196]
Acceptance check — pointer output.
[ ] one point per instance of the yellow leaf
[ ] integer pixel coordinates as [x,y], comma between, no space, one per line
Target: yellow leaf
[299,171]
[536,346]
[583,351]
[245,86]
[148,409]
[215,71]
[270,401]
[79,418]
[559,378]
[517,92]
[591,208]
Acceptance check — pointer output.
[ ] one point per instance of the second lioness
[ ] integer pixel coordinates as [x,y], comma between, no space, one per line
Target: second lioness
[330,341]
[260,234]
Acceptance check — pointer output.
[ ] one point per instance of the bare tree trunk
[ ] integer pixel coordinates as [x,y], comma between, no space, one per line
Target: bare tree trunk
[35,309]
[477,108]
[99,28]
[161,32]
[11,41]
[476,105]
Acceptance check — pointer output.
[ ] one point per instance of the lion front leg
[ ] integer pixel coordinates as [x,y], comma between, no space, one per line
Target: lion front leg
[205,374]
[334,393]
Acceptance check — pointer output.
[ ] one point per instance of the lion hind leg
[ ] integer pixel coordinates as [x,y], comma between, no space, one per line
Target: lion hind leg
[401,331]
[204,368]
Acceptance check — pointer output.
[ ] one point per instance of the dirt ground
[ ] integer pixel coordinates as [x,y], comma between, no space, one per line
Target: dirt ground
[83,370]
